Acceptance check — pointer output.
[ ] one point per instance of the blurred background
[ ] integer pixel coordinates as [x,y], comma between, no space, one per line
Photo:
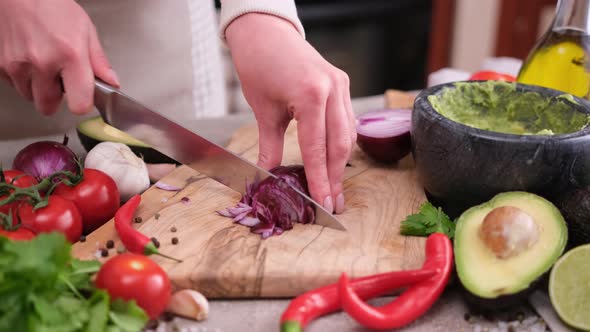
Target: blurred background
[395,44]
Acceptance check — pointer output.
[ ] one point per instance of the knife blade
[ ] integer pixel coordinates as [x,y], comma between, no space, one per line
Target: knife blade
[185,146]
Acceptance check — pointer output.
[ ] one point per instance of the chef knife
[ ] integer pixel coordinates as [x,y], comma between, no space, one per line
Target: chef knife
[185,146]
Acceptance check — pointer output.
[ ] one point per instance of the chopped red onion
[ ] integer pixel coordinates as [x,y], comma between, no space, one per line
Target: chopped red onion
[166,186]
[249,221]
[271,206]
[225,213]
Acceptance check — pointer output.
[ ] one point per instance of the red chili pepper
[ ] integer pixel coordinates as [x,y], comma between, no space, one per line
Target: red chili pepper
[413,302]
[133,240]
[308,306]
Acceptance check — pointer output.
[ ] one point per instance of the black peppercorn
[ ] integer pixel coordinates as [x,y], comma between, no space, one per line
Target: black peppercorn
[156,242]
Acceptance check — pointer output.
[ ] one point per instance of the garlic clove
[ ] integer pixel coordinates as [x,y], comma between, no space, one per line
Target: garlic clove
[158,171]
[189,303]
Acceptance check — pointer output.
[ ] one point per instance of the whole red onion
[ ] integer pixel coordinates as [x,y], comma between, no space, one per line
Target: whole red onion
[43,158]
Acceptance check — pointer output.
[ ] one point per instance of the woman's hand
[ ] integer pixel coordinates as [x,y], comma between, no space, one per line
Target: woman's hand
[42,40]
[284,77]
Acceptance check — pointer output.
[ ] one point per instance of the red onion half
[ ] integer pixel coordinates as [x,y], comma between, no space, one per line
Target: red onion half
[384,135]
[41,159]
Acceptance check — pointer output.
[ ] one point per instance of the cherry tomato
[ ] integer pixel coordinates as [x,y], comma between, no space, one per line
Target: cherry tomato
[6,207]
[21,234]
[486,75]
[59,215]
[21,180]
[97,198]
[136,277]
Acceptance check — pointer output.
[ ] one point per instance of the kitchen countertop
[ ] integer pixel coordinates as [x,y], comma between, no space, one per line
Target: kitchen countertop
[448,314]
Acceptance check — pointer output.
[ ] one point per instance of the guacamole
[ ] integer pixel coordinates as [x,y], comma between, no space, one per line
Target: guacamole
[498,106]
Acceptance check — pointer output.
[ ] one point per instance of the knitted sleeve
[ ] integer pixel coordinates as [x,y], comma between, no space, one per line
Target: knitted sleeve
[232,9]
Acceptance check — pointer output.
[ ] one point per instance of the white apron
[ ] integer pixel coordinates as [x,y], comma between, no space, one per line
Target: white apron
[166,53]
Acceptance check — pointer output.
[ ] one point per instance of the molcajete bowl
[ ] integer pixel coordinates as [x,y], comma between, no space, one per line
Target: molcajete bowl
[460,166]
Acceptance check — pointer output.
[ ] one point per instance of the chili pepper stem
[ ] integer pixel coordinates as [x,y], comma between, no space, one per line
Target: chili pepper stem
[291,326]
[150,249]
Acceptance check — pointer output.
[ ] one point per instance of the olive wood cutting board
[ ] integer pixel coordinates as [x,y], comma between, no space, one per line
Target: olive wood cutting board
[225,260]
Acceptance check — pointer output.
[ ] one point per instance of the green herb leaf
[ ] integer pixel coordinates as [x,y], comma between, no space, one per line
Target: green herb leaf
[127,316]
[44,289]
[99,311]
[428,220]
[80,272]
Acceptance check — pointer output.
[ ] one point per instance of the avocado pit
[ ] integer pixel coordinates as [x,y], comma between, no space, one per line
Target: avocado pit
[508,231]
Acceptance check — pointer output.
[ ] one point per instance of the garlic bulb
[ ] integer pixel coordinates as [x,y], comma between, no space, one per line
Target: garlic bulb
[118,161]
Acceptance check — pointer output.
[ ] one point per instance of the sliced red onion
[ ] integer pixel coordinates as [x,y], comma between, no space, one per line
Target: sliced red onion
[240,210]
[241,216]
[249,221]
[271,206]
[225,213]
[384,135]
[185,200]
[166,186]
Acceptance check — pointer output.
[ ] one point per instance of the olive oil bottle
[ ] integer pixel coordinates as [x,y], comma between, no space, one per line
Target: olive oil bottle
[561,58]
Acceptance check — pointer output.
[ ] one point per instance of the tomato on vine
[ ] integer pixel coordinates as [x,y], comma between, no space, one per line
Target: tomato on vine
[18,179]
[96,196]
[20,234]
[59,215]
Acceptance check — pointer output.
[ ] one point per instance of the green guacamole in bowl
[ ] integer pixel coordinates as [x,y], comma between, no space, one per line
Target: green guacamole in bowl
[500,107]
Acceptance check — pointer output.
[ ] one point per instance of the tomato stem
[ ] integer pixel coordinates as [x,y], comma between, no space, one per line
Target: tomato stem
[33,192]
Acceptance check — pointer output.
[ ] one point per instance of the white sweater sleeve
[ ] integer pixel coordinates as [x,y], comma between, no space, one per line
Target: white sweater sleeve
[232,9]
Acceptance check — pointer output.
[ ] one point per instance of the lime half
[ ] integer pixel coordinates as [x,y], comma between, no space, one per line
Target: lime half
[569,287]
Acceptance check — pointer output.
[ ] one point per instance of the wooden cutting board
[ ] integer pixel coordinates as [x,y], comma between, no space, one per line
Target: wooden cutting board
[225,260]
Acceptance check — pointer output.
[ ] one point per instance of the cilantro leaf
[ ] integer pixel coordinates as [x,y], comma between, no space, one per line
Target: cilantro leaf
[43,288]
[99,311]
[127,316]
[428,220]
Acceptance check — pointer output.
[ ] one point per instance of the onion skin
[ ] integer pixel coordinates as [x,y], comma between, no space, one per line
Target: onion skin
[43,158]
[385,149]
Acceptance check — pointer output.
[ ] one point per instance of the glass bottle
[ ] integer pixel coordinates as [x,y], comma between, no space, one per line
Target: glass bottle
[561,58]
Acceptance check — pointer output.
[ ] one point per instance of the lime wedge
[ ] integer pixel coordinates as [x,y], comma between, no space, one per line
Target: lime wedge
[569,287]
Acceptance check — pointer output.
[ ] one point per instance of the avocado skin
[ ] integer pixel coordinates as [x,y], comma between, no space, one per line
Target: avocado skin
[502,302]
[575,207]
[149,155]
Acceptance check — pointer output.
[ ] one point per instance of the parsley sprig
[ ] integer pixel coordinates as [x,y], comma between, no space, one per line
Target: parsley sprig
[428,220]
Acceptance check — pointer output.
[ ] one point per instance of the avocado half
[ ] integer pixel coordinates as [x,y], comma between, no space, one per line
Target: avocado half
[493,282]
[94,130]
